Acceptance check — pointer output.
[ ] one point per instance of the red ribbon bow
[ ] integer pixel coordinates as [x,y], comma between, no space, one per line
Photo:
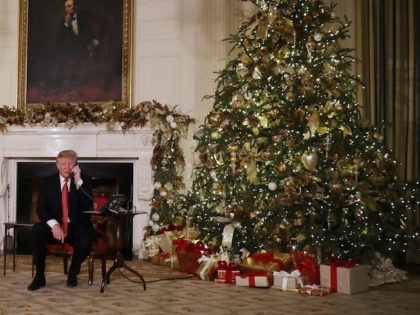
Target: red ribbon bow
[171,227]
[266,258]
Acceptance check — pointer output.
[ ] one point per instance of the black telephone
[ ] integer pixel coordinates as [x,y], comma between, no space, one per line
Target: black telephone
[72,173]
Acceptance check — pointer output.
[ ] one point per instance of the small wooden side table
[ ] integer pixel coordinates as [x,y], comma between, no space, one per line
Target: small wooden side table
[116,234]
[7,227]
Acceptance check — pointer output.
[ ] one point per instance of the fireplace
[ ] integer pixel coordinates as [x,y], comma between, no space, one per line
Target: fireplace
[118,162]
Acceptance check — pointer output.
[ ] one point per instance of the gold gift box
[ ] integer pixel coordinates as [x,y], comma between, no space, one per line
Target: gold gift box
[251,266]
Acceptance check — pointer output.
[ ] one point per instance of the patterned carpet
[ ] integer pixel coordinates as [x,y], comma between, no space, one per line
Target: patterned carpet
[185,296]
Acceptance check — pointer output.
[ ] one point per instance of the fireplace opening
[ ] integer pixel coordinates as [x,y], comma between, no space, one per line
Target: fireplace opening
[107,178]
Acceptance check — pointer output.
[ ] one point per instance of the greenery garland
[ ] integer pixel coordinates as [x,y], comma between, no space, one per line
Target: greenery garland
[169,126]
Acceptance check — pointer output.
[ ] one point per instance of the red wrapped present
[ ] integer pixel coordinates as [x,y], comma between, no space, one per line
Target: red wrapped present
[188,255]
[254,280]
[308,266]
[226,273]
[345,277]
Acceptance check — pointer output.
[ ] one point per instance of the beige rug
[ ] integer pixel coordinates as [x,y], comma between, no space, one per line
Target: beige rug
[186,296]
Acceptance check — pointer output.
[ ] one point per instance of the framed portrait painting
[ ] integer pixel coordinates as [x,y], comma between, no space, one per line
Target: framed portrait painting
[75,51]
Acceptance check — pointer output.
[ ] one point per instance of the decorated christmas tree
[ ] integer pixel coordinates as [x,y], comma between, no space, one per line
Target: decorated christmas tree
[284,153]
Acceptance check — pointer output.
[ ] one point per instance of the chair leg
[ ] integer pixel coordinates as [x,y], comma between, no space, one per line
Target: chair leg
[103,268]
[65,264]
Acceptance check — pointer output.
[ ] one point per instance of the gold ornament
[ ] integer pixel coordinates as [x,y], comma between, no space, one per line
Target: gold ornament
[245,58]
[252,172]
[346,130]
[277,138]
[318,37]
[213,117]
[263,121]
[219,158]
[282,168]
[313,123]
[257,74]
[241,70]
[215,135]
[233,148]
[310,159]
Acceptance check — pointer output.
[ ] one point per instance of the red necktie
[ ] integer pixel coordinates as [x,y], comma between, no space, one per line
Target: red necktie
[65,206]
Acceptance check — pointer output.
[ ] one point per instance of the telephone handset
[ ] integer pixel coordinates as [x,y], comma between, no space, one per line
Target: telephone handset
[72,173]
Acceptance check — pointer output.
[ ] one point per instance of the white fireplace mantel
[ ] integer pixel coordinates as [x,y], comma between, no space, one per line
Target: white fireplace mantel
[92,143]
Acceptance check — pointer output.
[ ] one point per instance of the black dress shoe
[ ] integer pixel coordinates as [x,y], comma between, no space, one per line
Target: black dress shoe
[37,282]
[72,280]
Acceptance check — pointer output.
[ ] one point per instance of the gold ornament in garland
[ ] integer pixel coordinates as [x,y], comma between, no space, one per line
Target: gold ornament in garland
[310,159]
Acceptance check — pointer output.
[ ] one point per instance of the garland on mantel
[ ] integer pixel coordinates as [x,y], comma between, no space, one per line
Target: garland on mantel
[169,126]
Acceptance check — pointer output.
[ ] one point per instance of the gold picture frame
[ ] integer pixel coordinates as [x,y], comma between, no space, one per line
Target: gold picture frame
[60,63]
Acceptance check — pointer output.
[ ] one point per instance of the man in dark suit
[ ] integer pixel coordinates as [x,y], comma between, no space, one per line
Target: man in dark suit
[79,50]
[81,32]
[77,230]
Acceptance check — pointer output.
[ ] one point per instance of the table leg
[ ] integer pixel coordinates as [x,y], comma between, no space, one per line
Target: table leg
[120,263]
[4,250]
[14,249]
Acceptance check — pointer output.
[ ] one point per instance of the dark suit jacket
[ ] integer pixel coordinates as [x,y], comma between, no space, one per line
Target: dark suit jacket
[49,200]
[90,25]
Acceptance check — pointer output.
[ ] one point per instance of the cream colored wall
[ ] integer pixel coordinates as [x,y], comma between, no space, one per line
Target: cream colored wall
[177,48]
[9,22]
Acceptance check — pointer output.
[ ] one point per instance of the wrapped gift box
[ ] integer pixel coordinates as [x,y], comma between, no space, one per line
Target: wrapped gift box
[265,262]
[172,262]
[188,255]
[226,276]
[347,280]
[284,280]
[151,243]
[188,261]
[143,252]
[167,238]
[308,266]
[314,290]
[160,259]
[246,280]
[208,268]
[226,273]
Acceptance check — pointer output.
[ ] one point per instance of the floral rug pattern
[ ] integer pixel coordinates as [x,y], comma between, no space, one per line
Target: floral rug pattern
[184,295]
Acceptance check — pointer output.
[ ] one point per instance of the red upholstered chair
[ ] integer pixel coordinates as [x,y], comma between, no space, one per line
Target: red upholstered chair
[66,251]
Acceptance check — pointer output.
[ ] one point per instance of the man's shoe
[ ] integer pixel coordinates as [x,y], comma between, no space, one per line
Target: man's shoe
[72,280]
[37,282]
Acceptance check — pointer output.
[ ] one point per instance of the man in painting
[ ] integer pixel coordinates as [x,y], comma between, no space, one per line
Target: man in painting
[81,32]
[80,50]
